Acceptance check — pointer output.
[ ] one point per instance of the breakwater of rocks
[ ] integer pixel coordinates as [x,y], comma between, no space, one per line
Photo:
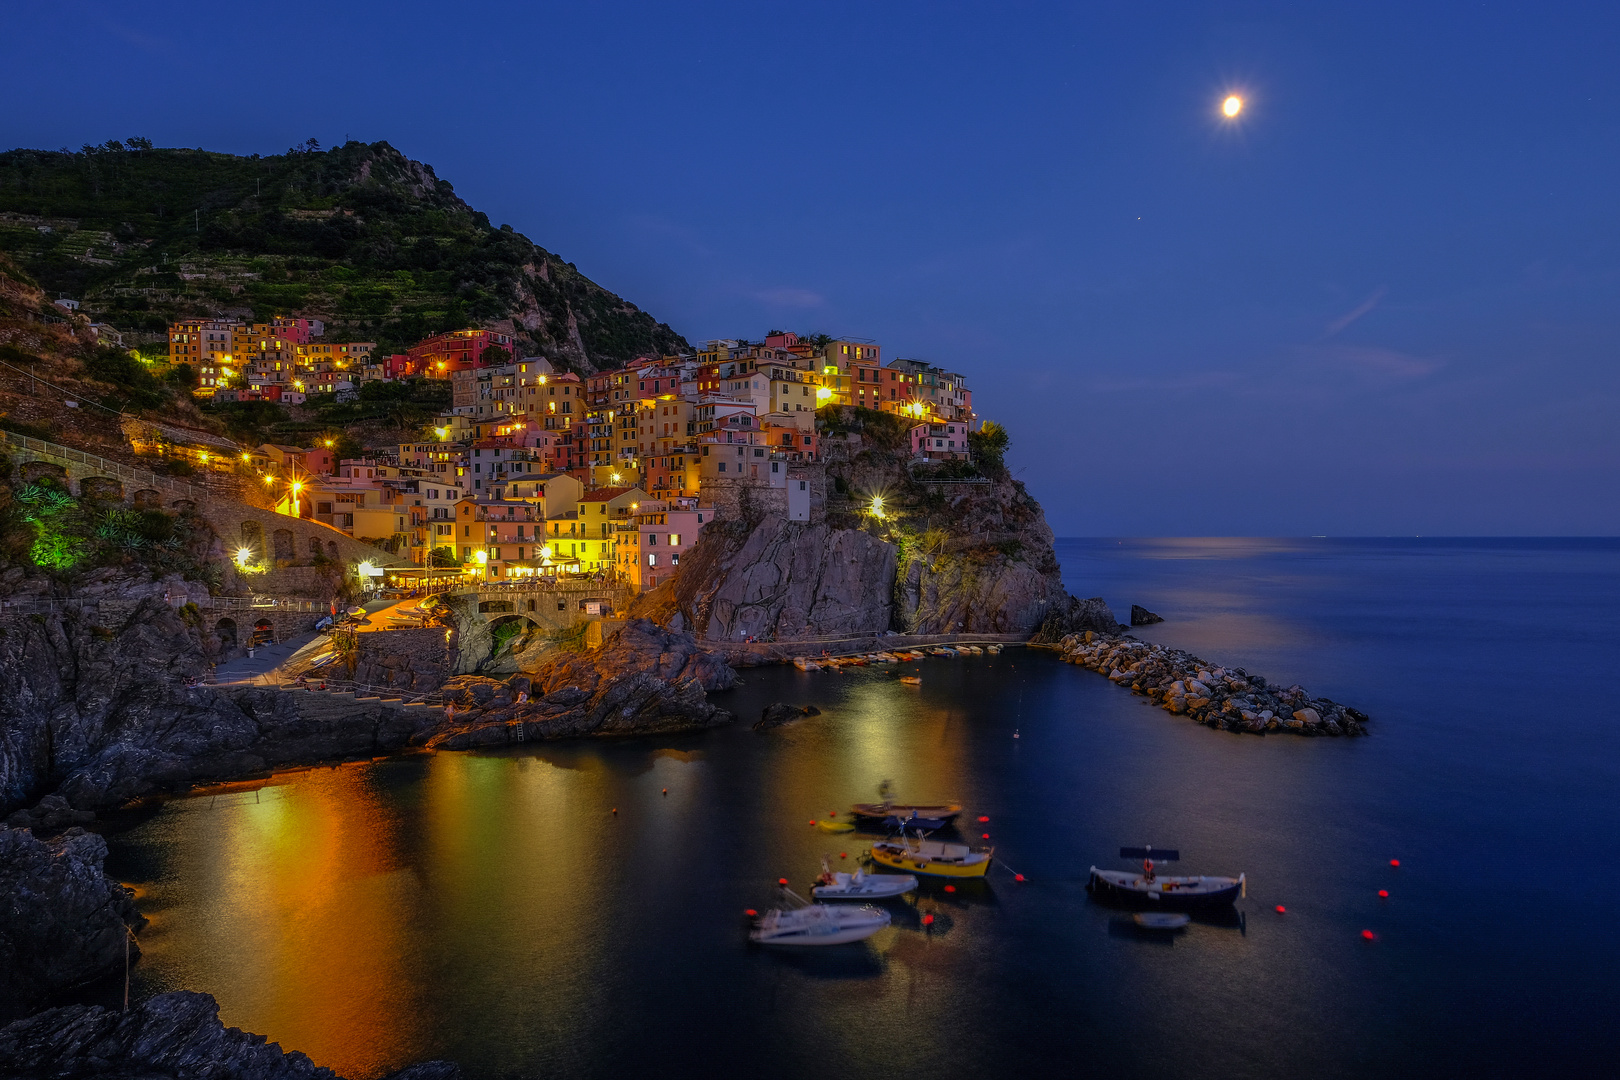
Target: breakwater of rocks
[1227,699]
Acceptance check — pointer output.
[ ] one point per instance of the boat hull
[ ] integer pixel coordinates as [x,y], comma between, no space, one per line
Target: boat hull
[914,864]
[1127,891]
[946,812]
[875,887]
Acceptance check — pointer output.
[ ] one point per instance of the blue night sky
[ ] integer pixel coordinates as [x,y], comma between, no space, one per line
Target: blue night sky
[1382,302]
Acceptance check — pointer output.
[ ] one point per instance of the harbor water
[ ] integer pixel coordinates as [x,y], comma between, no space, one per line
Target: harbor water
[491,908]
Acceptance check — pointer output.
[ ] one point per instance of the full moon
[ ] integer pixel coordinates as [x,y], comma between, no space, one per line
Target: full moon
[1232,105]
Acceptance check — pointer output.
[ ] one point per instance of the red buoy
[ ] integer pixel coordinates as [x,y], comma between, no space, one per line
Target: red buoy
[832,813]
[843,855]
[1018,877]
[750,912]
[928,920]
[1383,894]
[1368,935]
[1281,910]
[666,791]
[983,818]
[615,809]
[950,888]
[1394,862]
[781,881]
[984,836]
[812,821]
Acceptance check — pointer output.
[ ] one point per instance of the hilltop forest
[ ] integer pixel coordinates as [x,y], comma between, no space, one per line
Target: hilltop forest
[360,236]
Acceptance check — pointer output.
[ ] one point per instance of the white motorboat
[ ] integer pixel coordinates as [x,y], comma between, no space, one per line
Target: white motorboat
[860,885]
[816,924]
[1151,889]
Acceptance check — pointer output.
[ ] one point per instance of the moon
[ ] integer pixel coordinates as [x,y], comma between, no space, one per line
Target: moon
[1232,106]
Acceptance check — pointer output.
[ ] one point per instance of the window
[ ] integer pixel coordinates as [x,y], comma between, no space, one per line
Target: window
[652,558]
[674,539]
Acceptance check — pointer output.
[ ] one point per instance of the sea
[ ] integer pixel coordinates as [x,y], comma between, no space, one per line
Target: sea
[577,909]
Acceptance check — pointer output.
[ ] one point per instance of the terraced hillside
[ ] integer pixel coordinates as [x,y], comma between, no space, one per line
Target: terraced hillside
[360,236]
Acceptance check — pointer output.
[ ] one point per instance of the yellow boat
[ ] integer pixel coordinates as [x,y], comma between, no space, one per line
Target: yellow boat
[935,858]
[834,826]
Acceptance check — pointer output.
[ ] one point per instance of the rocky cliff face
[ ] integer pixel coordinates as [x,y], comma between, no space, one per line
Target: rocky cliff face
[62,920]
[644,679]
[944,555]
[174,1036]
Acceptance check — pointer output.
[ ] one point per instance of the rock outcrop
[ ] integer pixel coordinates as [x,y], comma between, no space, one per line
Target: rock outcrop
[778,713]
[644,679]
[62,921]
[1141,616]
[1228,699]
[175,1036]
[938,555]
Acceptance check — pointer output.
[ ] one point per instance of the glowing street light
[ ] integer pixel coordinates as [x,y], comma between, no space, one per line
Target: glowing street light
[877,506]
[1232,106]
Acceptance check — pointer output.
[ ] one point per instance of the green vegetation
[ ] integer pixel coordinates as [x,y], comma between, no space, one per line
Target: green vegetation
[44,526]
[989,447]
[360,236]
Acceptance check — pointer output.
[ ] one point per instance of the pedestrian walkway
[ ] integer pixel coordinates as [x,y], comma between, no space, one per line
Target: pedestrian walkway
[263,667]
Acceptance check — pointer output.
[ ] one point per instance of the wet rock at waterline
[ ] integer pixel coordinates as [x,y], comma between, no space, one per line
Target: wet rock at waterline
[62,921]
[1227,699]
[778,713]
[643,679]
[1141,616]
[176,1036]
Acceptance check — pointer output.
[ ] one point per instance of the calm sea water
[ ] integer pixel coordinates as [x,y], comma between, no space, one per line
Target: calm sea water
[491,909]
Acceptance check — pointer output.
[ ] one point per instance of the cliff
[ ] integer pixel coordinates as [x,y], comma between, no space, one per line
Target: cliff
[889,545]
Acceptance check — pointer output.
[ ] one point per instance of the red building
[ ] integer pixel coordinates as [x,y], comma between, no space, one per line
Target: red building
[441,354]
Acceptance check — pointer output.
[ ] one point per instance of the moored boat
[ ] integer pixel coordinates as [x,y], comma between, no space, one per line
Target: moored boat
[944,813]
[911,680]
[810,924]
[804,663]
[860,885]
[1148,888]
[935,858]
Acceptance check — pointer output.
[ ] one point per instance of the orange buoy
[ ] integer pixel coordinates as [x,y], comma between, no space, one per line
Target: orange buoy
[615,809]
[1394,862]
[1281,910]
[1383,894]
[666,791]
[1368,935]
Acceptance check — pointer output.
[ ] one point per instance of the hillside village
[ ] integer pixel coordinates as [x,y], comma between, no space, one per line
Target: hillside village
[535,470]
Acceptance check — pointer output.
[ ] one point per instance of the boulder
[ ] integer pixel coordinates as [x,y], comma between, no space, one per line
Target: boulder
[1141,616]
[778,713]
[1308,716]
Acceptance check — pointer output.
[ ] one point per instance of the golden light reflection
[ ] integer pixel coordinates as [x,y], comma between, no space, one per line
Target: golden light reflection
[309,923]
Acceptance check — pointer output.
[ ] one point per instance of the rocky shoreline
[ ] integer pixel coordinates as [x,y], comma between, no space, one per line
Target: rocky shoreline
[1226,699]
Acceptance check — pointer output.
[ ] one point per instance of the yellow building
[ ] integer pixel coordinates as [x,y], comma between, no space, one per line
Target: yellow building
[601,512]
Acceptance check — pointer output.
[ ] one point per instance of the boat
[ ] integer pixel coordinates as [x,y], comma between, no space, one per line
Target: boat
[808,924]
[860,885]
[804,663]
[944,813]
[914,821]
[993,650]
[1161,920]
[947,652]
[826,825]
[911,680]
[1146,888]
[935,858]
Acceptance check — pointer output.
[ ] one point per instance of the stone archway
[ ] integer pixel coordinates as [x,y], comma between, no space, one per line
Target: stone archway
[253,538]
[225,630]
[29,471]
[264,633]
[283,541]
[314,547]
[101,488]
[148,499]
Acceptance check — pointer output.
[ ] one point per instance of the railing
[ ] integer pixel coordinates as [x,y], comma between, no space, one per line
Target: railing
[55,451]
[358,689]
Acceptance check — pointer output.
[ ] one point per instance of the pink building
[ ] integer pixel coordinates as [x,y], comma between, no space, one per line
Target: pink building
[940,442]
